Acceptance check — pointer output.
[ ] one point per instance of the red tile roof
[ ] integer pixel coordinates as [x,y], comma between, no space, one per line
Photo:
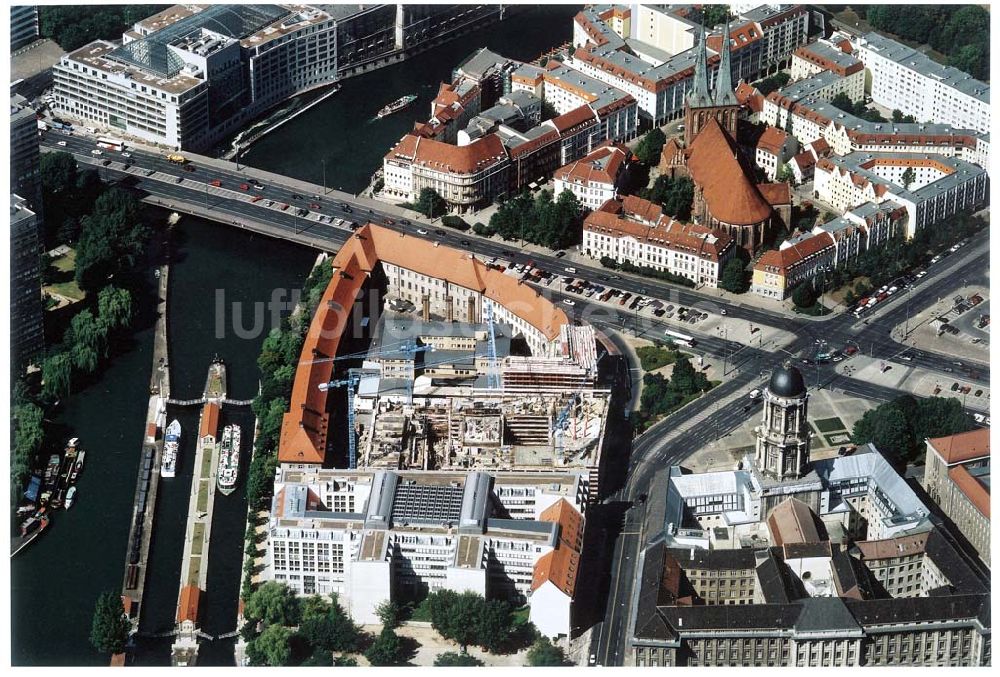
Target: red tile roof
[804,160]
[772,140]
[304,428]
[601,166]
[434,154]
[731,194]
[187,608]
[785,259]
[973,489]
[750,97]
[663,231]
[562,565]
[776,193]
[963,446]
[574,118]
[209,420]
[894,547]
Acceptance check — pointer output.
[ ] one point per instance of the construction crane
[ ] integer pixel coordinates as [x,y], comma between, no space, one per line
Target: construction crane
[558,430]
[351,382]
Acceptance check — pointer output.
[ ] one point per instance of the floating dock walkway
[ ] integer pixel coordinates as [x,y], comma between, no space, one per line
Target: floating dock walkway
[194,565]
[147,482]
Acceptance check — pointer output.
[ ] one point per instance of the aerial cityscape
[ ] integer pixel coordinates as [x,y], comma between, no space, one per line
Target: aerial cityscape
[622,335]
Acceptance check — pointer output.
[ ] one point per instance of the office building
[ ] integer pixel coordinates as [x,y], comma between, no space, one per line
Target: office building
[957,478]
[794,561]
[373,536]
[23,25]
[931,188]
[26,328]
[907,80]
[192,75]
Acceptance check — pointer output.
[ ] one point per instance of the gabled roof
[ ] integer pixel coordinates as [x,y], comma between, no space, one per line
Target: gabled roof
[304,428]
[974,490]
[601,166]
[963,446]
[729,189]
[772,140]
[789,257]
[825,614]
[792,522]
[562,565]
[209,420]
[187,607]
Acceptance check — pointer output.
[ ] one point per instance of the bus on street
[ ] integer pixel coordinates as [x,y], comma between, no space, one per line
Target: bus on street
[680,338]
[110,143]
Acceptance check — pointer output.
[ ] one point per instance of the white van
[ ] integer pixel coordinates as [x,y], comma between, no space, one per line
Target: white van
[570,269]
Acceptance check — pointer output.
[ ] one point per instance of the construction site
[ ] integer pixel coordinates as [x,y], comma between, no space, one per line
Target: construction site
[457,367]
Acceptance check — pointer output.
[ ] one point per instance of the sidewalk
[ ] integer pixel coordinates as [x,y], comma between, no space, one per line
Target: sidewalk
[920,382]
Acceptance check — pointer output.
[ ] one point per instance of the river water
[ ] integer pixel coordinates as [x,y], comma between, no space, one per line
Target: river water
[56,581]
[342,131]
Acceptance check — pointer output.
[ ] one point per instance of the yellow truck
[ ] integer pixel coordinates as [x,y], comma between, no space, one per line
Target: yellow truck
[177,159]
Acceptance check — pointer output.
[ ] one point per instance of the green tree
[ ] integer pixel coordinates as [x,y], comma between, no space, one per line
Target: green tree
[114,307]
[887,428]
[454,615]
[260,478]
[28,436]
[320,658]
[898,117]
[110,626]
[804,296]
[973,59]
[548,111]
[386,649]
[545,654]
[58,172]
[650,146]
[315,606]
[345,662]
[87,340]
[272,645]
[388,613]
[112,240]
[713,15]
[452,659]
[785,173]
[274,603]
[494,625]
[734,277]
[57,375]
[333,631]
[430,204]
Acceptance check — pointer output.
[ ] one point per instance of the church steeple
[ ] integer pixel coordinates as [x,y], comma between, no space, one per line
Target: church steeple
[724,95]
[699,96]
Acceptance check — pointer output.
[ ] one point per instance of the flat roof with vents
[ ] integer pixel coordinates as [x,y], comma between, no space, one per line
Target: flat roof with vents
[419,502]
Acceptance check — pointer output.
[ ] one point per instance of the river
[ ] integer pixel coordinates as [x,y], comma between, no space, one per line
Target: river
[56,581]
[342,131]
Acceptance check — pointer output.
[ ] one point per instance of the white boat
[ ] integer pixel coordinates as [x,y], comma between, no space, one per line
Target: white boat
[171,446]
[70,496]
[229,459]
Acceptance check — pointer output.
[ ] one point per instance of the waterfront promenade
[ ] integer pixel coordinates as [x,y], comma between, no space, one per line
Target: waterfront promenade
[148,480]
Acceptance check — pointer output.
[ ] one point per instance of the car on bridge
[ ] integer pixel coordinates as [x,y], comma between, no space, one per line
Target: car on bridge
[96,152]
[216,183]
[61,143]
[284,207]
[420,231]
[244,186]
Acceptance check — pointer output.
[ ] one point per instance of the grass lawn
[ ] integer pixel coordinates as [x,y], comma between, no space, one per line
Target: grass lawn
[654,357]
[63,283]
[829,425]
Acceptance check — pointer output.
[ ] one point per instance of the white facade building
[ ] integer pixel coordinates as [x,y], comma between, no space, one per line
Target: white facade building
[372,536]
[904,79]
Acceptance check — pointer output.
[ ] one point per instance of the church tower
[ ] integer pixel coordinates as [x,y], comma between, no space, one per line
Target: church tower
[783,434]
[700,106]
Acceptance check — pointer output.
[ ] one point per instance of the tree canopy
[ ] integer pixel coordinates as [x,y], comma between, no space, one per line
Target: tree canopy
[804,295]
[271,647]
[543,653]
[735,277]
[452,659]
[109,628]
[112,240]
[650,146]
[674,195]
[960,32]
[468,618]
[274,603]
[430,204]
[73,26]
[541,220]
[899,428]
[386,649]
[857,108]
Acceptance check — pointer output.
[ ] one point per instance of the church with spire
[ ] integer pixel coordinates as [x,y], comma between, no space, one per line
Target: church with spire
[727,195]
